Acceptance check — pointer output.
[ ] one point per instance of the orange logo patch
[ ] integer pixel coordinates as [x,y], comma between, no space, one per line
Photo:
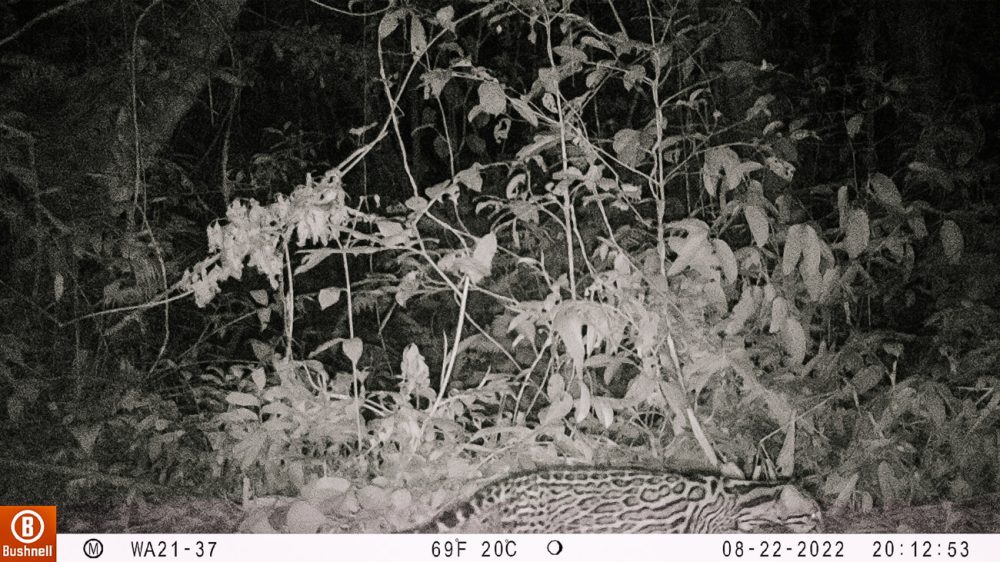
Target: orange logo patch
[28,533]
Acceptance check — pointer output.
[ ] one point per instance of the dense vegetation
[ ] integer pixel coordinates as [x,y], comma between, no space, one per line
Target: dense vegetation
[361,254]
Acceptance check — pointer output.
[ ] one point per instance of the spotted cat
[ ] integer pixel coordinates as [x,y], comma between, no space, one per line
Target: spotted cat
[628,500]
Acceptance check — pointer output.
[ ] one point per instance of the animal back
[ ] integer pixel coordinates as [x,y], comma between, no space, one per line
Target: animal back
[627,500]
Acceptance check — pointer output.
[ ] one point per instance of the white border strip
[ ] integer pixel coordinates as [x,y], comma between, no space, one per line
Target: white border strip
[549,548]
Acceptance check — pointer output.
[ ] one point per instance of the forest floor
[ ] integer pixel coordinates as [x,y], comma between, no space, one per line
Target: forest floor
[190,515]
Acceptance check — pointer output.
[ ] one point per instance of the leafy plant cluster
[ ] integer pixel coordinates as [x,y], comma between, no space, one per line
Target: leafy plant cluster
[621,266]
[661,291]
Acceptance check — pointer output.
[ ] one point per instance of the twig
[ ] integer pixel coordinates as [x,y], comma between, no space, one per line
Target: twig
[41,17]
[348,12]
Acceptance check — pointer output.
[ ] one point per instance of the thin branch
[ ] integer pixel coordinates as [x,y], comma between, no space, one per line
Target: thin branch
[348,12]
[40,18]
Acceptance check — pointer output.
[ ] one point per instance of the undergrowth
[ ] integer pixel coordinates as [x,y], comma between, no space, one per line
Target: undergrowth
[592,282]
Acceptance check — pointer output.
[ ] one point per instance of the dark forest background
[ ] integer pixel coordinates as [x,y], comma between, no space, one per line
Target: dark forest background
[354,254]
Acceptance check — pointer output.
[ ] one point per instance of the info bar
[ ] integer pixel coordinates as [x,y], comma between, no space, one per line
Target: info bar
[527,548]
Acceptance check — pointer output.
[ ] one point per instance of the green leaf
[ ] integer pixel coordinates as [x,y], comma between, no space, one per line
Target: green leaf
[781,168]
[779,313]
[556,411]
[786,457]
[757,221]
[388,228]
[261,350]
[258,377]
[249,450]
[793,339]
[471,178]
[418,37]
[569,54]
[640,389]
[304,518]
[86,436]
[328,297]
[603,410]
[416,203]
[482,257]
[556,386]
[886,191]
[242,399]
[491,98]
[445,16]
[866,379]
[389,23]
[951,238]
[854,125]
[414,371]
[635,73]
[727,260]
[694,252]
[742,312]
[858,233]
[58,286]
[842,206]
[373,498]
[917,225]
[720,158]
[844,489]
[583,404]
[592,41]
[794,241]
[812,250]
[259,296]
[525,111]
[626,146]
[352,349]
[569,326]
[237,416]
